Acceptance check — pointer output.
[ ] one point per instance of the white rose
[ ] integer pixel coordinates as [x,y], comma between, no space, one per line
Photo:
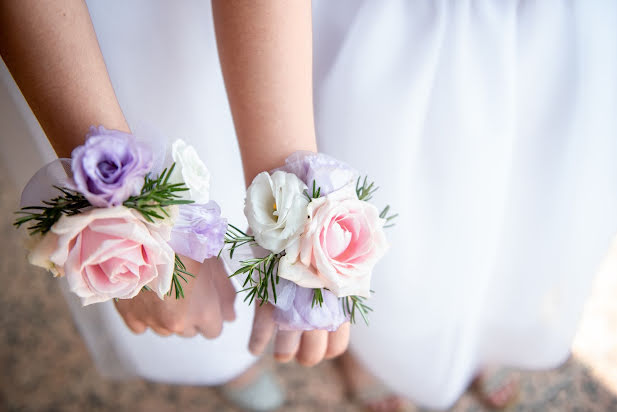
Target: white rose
[275,208]
[190,170]
[41,247]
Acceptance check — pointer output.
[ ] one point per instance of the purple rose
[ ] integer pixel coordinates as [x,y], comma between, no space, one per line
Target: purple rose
[294,312]
[110,167]
[328,173]
[199,231]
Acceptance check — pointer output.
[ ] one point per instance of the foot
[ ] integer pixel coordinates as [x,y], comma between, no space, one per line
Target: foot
[497,388]
[255,390]
[365,389]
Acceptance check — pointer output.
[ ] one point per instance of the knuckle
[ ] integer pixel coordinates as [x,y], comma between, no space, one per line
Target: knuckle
[308,358]
[162,332]
[137,329]
[174,326]
[213,330]
[189,333]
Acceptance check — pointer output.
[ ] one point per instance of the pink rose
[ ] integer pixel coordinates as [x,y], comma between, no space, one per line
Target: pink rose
[108,253]
[342,241]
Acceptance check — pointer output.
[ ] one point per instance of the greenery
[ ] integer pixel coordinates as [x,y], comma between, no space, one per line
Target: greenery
[317,298]
[266,271]
[314,195]
[236,238]
[389,218]
[355,304]
[156,194]
[43,218]
[179,272]
[365,190]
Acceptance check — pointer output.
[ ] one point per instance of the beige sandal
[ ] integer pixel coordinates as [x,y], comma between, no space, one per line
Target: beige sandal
[497,388]
[377,397]
[366,391]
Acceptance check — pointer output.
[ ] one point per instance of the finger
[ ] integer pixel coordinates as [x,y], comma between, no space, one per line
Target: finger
[161,331]
[338,341]
[224,287]
[136,326]
[170,320]
[313,347]
[189,332]
[286,344]
[263,328]
[206,310]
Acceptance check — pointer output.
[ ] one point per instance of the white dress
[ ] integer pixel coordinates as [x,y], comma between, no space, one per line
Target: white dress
[489,125]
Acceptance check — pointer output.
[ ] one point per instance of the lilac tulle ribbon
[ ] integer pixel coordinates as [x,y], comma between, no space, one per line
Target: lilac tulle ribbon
[40,187]
[328,173]
[199,231]
[294,309]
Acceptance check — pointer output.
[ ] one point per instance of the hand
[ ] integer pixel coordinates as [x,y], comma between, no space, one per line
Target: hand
[308,347]
[208,302]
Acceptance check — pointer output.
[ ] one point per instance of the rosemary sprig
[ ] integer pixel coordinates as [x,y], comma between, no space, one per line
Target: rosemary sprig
[389,218]
[179,272]
[317,298]
[261,274]
[236,238]
[315,193]
[44,217]
[365,190]
[353,304]
[176,286]
[156,194]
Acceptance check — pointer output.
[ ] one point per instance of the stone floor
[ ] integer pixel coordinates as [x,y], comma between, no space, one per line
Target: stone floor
[45,366]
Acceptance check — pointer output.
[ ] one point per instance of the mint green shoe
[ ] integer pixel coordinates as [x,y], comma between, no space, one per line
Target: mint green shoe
[263,394]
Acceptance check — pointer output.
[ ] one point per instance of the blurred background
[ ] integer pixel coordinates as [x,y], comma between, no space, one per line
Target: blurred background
[45,366]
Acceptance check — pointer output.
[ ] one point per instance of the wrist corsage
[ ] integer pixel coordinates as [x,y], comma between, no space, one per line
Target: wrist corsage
[315,240]
[109,223]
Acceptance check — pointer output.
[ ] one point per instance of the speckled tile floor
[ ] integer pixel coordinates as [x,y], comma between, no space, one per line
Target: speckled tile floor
[45,366]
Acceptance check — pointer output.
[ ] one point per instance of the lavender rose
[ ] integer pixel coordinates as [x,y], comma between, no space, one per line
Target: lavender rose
[199,231]
[294,309]
[110,167]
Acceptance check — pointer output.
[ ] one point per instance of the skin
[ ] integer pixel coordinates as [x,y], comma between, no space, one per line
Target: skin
[208,301]
[265,48]
[52,52]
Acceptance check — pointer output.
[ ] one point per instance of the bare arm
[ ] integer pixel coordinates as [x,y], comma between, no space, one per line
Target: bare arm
[52,52]
[265,48]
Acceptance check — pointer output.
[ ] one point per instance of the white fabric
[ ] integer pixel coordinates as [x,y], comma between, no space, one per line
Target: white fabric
[490,127]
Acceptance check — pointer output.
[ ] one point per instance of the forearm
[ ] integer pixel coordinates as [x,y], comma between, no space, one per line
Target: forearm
[265,48]
[52,52]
